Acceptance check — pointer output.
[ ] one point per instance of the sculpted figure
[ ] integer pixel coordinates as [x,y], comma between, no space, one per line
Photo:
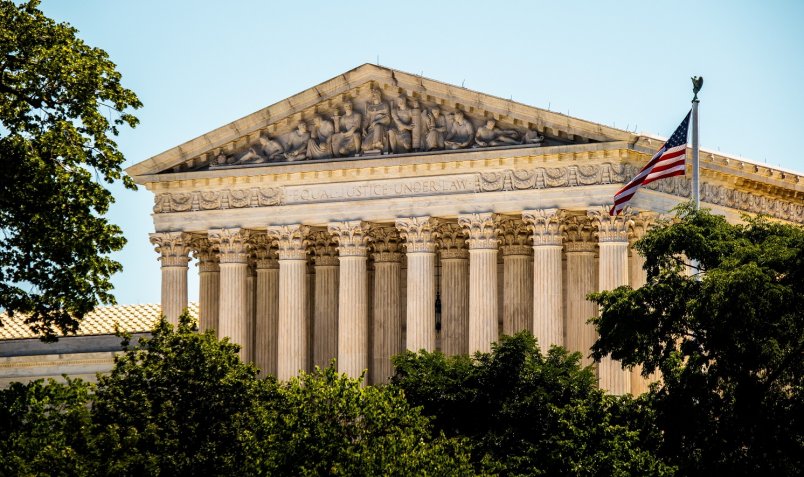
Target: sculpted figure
[378,118]
[320,145]
[417,133]
[268,150]
[461,134]
[533,137]
[491,135]
[297,143]
[435,125]
[400,137]
[222,159]
[346,141]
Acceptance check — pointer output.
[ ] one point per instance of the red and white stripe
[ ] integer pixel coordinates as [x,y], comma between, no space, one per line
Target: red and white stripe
[665,163]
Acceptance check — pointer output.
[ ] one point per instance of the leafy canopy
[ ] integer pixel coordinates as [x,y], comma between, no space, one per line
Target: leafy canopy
[729,341]
[530,414]
[61,102]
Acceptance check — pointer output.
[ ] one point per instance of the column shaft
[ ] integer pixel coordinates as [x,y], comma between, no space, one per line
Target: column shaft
[387,333]
[233,313]
[325,330]
[613,273]
[174,250]
[266,326]
[353,316]
[455,305]
[548,300]
[483,328]
[421,332]
[209,291]
[292,323]
[581,281]
[517,290]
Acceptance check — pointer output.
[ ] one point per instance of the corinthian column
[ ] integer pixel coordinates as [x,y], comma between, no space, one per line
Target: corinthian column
[325,315]
[454,289]
[419,235]
[548,301]
[266,323]
[233,314]
[517,276]
[353,326]
[482,239]
[387,330]
[292,324]
[209,277]
[612,232]
[639,277]
[581,281]
[173,248]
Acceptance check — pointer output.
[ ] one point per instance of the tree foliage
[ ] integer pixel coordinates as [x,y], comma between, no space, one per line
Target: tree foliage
[182,403]
[529,414]
[729,341]
[61,103]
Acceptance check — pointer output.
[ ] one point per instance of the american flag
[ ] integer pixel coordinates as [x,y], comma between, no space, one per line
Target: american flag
[668,161]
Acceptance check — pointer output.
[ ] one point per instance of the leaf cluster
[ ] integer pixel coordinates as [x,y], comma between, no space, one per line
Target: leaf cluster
[61,104]
[728,340]
[526,413]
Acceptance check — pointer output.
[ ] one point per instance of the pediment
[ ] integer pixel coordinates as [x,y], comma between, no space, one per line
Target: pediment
[373,111]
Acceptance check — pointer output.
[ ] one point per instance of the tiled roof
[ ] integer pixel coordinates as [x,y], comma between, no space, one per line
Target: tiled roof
[101,321]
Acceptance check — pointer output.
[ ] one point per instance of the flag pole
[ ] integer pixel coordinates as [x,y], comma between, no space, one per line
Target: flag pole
[697,83]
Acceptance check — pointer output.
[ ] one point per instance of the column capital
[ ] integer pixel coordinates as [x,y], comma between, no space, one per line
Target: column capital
[352,237]
[262,249]
[544,225]
[232,244]
[324,248]
[419,233]
[291,240]
[578,233]
[387,244]
[513,236]
[452,241]
[480,230]
[611,228]
[641,223]
[173,248]
[204,252]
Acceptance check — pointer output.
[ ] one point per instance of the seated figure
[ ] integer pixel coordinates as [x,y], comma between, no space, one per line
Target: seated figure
[399,137]
[461,134]
[320,145]
[435,125]
[297,143]
[346,141]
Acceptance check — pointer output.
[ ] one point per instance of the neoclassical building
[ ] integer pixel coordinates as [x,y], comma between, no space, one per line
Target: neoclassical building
[381,211]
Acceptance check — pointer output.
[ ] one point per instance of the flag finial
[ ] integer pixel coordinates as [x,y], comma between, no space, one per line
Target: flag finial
[697,84]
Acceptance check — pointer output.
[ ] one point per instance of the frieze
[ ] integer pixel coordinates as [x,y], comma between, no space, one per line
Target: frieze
[374,126]
[495,181]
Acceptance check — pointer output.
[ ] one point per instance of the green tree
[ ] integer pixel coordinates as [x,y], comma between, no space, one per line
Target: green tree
[61,102]
[178,403]
[324,423]
[529,414]
[44,428]
[729,342]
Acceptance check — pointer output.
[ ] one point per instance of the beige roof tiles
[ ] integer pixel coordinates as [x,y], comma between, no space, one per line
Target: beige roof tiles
[101,321]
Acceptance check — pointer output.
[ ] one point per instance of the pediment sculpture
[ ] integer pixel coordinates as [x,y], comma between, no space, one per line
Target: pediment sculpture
[378,127]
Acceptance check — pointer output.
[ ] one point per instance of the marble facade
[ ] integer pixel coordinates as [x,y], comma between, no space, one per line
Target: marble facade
[382,211]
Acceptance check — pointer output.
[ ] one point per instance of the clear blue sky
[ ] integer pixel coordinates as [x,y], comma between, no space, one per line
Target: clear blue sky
[197,65]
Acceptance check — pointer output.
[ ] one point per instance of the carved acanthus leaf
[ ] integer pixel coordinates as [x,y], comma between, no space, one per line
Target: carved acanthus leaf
[173,248]
[611,228]
[353,237]
[232,244]
[419,233]
[291,240]
[544,224]
[480,230]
